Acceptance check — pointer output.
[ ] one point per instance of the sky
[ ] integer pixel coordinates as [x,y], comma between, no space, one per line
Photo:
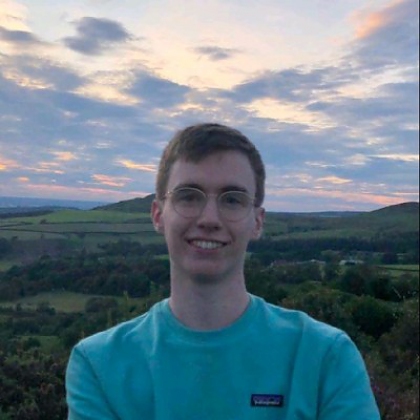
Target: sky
[92,90]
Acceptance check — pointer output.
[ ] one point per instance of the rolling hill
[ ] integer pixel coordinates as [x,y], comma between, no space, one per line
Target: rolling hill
[26,237]
[400,218]
[131,219]
[136,205]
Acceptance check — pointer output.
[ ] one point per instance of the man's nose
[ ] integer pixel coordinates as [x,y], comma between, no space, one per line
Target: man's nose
[210,214]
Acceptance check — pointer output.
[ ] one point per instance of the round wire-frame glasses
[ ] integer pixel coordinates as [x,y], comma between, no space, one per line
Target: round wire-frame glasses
[189,202]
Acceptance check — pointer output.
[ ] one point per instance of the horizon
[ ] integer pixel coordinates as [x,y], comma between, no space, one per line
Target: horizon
[105,203]
[91,92]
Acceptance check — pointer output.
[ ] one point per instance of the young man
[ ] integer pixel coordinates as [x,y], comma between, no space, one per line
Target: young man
[212,351]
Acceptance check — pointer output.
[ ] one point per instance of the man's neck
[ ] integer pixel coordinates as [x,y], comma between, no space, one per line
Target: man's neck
[208,305]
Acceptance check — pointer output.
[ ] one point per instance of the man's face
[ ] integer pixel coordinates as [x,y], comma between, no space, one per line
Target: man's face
[209,246]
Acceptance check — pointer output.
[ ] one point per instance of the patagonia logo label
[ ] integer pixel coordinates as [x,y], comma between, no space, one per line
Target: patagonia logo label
[267,400]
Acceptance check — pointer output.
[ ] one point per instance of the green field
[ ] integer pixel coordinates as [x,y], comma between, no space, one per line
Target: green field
[62,301]
[78,229]
[6,264]
[77,216]
[395,271]
[401,267]
[63,232]
[109,224]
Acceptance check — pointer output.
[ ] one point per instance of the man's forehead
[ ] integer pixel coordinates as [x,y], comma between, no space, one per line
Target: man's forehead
[214,157]
[221,171]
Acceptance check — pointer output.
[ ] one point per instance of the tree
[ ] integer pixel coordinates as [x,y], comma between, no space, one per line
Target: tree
[100,304]
[331,271]
[353,281]
[400,346]
[371,316]
[323,304]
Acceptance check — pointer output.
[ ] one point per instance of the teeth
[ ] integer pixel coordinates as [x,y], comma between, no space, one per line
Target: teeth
[207,244]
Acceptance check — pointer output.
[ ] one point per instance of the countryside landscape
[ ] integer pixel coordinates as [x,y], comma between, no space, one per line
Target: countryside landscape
[66,273]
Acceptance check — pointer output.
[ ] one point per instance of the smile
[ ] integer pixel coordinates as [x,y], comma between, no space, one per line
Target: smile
[207,244]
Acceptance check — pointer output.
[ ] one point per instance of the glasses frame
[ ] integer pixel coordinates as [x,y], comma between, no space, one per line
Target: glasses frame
[217,196]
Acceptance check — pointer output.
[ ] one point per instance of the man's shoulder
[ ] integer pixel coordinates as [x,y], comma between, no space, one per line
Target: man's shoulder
[134,331]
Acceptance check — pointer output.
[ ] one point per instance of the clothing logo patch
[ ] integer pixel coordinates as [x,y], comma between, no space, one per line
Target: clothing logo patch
[267,400]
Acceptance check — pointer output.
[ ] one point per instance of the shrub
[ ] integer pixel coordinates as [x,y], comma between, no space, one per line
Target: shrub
[323,304]
[371,316]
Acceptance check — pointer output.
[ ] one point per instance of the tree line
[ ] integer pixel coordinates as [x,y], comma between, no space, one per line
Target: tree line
[378,311]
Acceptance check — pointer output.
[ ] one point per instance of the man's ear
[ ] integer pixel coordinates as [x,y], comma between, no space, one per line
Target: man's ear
[259,222]
[156,215]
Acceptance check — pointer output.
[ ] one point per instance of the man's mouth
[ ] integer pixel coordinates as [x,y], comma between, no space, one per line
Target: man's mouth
[207,244]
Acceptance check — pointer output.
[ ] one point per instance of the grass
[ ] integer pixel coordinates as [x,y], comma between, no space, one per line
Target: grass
[277,226]
[84,228]
[5,265]
[70,230]
[76,216]
[29,235]
[48,343]
[398,269]
[61,301]
[401,267]
[81,227]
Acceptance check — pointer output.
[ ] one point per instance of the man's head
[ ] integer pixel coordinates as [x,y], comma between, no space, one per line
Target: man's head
[197,142]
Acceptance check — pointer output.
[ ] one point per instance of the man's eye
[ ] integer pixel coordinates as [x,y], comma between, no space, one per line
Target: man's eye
[234,199]
[231,200]
[182,196]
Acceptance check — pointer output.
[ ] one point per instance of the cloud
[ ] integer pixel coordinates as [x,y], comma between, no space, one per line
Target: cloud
[398,12]
[129,164]
[333,134]
[37,72]
[334,180]
[64,156]
[95,35]
[215,53]
[109,180]
[403,157]
[7,164]
[37,188]
[158,92]
[18,36]
[393,108]
[81,109]
[294,84]
[388,36]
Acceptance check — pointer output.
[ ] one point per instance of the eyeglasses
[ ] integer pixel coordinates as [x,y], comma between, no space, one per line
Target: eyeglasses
[190,202]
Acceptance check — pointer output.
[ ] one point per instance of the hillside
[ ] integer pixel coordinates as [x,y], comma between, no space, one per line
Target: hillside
[400,217]
[397,219]
[136,205]
[408,209]
[26,237]
[142,205]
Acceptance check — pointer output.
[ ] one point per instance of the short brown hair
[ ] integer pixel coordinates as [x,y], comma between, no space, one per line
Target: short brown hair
[195,142]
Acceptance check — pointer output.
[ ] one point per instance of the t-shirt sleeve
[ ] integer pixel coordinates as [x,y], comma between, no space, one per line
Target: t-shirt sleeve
[85,397]
[346,392]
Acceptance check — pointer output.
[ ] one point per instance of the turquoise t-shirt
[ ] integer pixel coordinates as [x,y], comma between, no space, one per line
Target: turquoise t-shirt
[271,363]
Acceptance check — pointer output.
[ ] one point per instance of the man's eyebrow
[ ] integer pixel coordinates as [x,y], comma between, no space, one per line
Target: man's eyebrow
[222,190]
[188,185]
[234,188]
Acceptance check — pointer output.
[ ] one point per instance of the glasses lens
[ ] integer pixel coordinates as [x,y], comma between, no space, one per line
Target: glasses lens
[234,205]
[188,202]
